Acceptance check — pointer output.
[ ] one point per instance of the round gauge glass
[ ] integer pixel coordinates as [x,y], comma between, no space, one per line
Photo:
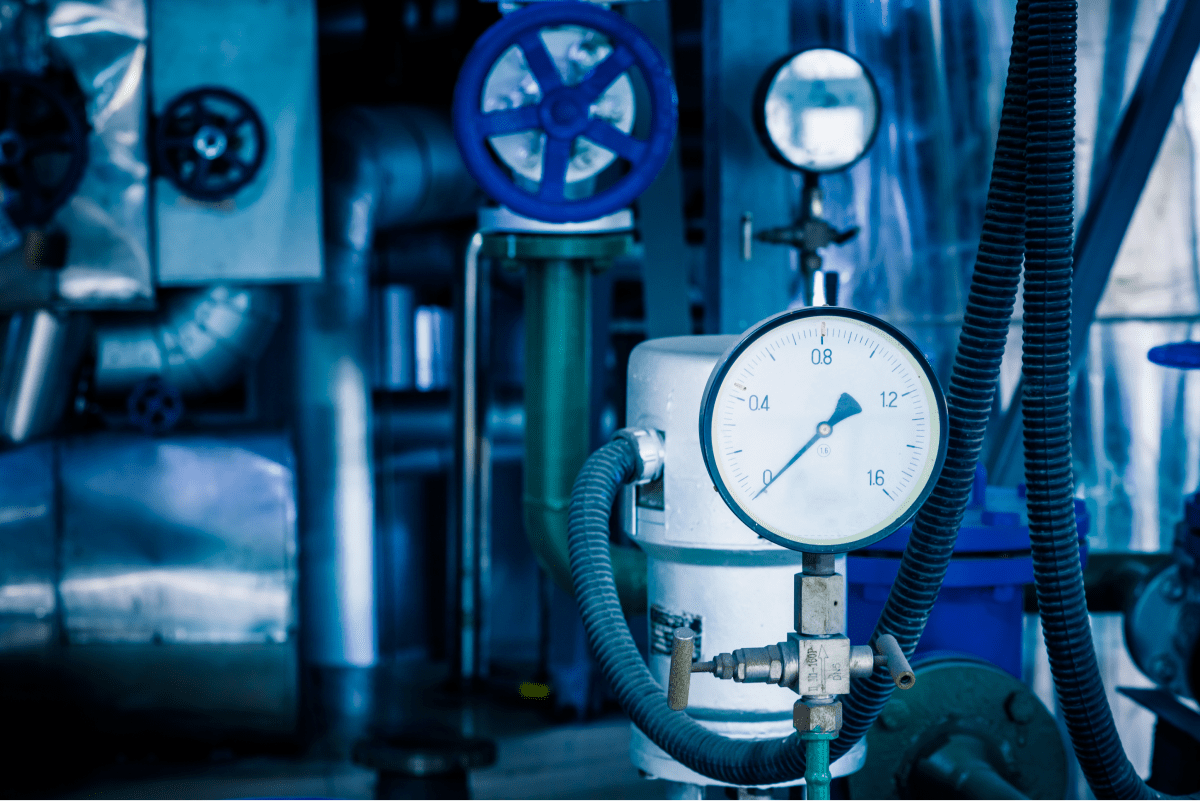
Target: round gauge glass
[818,110]
[823,429]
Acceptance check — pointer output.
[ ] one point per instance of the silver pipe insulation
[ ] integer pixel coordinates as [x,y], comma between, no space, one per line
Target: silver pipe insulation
[384,167]
[199,342]
[41,349]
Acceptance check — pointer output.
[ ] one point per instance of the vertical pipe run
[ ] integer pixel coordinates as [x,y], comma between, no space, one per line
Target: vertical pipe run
[36,347]
[816,766]
[557,386]
[473,469]
[558,379]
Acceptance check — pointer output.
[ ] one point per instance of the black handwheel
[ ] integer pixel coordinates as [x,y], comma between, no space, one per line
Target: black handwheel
[210,143]
[43,148]
[154,405]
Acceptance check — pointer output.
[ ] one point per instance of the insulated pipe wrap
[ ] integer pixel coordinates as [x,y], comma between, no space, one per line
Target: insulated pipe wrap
[201,341]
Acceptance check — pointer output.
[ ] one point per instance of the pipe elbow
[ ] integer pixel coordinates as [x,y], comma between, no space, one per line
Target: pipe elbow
[200,342]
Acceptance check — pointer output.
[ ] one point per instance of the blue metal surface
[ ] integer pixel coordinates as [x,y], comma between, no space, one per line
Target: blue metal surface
[1184,355]
[980,609]
[563,113]
[266,52]
[744,189]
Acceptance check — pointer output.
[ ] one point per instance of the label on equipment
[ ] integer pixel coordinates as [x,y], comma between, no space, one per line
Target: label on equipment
[662,630]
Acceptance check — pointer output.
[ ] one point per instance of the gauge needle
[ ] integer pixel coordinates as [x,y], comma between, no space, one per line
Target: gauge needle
[846,407]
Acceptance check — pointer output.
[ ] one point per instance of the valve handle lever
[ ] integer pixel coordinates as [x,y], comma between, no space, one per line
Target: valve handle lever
[897,663]
[679,682]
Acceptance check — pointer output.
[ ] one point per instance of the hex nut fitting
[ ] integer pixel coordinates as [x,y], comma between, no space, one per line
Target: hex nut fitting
[724,667]
[817,717]
[651,451]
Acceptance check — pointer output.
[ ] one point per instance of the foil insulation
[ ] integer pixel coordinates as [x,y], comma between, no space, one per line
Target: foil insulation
[106,221]
[152,577]
[918,198]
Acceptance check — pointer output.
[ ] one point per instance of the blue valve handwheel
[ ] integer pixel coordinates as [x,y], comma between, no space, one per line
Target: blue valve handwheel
[563,112]
[1184,355]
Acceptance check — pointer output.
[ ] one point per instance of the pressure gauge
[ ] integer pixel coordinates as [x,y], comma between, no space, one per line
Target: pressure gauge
[823,429]
[817,110]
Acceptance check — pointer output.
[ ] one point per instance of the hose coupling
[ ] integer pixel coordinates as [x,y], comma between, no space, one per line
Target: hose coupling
[651,452]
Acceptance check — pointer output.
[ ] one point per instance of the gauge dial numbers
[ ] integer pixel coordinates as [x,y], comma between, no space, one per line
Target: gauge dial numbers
[823,429]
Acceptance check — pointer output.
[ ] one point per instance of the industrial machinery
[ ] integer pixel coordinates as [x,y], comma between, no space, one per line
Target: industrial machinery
[981,607]
[817,500]
[744,393]
[314,311]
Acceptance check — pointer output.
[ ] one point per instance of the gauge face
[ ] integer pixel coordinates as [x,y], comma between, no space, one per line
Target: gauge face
[818,110]
[823,429]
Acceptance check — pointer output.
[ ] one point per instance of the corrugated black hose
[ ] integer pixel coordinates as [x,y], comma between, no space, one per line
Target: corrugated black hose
[976,370]
[969,398]
[1033,172]
[1046,362]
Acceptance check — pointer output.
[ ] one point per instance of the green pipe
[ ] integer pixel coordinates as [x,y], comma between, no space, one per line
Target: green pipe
[557,390]
[816,763]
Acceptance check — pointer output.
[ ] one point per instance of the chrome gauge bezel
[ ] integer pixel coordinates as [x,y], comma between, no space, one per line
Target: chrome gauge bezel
[750,339]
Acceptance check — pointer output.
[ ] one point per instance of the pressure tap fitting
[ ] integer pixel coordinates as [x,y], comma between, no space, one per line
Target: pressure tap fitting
[809,666]
[816,661]
[651,452]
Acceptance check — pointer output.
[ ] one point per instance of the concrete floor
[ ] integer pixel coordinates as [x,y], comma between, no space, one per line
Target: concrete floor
[584,761]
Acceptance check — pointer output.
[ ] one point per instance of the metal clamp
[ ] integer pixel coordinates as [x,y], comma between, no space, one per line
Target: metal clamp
[651,452]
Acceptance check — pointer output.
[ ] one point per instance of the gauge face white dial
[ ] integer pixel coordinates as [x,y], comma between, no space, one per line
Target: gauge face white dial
[823,429]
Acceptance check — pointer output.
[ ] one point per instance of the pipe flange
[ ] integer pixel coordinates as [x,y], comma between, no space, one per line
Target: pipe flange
[651,452]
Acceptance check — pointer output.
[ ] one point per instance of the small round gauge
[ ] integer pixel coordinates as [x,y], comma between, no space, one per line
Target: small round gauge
[823,429]
[817,110]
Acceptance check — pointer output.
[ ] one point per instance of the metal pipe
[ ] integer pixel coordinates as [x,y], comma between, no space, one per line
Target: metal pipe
[557,382]
[897,664]
[200,342]
[473,465]
[39,353]
[384,167]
